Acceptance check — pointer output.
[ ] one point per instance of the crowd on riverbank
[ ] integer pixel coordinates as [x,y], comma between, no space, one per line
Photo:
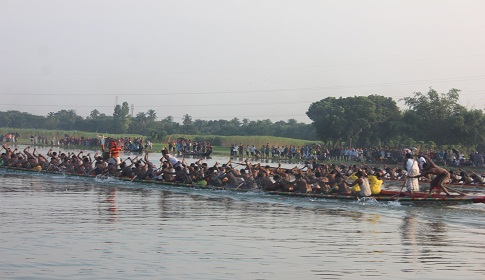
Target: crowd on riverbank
[133,144]
[11,137]
[362,155]
[182,146]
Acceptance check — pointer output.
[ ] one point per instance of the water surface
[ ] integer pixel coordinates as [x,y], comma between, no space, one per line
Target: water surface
[53,227]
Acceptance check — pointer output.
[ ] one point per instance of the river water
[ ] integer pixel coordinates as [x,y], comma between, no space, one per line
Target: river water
[56,227]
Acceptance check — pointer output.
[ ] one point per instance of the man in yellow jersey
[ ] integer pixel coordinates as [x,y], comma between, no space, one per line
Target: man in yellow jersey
[375,181]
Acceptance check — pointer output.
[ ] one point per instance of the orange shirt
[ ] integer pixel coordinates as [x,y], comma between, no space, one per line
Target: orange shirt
[115,151]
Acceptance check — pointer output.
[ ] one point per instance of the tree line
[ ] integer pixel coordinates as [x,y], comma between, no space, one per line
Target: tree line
[432,119]
[148,124]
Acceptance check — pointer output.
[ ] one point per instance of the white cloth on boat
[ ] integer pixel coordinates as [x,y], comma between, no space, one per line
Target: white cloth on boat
[413,169]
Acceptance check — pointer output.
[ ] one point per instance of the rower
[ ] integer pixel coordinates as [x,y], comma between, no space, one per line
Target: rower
[375,181]
[171,159]
[442,175]
[363,183]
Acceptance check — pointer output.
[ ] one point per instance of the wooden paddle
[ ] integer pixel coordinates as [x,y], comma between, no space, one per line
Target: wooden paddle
[457,191]
[403,185]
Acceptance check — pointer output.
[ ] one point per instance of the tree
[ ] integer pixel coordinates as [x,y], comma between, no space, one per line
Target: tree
[151,115]
[139,123]
[169,125]
[434,117]
[245,122]
[121,118]
[388,118]
[356,120]
[187,124]
[187,120]
[94,114]
[261,127]
[17,119]
[67,119]
[465,128]
[141,117]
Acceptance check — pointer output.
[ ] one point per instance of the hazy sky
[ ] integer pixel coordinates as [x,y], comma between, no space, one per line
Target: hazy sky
[220,59]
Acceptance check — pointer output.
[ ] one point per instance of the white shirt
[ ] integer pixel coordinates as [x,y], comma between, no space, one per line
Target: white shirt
[421,161]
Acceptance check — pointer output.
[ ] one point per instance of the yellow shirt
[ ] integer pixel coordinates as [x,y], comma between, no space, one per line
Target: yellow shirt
[375,184]
[355,188]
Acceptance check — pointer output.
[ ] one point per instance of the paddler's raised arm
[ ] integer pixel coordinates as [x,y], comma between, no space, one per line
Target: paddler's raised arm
[147,162]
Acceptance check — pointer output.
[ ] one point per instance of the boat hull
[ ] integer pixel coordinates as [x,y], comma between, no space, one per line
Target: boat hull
[389,197]
[418,199]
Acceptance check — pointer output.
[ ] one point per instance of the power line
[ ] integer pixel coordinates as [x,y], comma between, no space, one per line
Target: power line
[256,68]
[468,78]
[163,106]
[171,105]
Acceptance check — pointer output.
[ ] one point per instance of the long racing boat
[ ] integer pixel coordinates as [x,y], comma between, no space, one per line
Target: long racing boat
[385,196]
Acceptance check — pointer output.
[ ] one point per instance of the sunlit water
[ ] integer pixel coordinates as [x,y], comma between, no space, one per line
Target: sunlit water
[55,227]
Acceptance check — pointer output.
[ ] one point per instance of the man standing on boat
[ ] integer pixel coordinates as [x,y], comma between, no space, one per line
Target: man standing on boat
[114,151]
[442,176]
[412,167]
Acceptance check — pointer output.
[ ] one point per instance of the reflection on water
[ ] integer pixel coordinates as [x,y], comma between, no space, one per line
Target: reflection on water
[107,205]
[55,227]
[413,232]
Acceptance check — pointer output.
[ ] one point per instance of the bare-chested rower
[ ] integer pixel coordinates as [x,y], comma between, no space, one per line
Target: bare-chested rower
[442,176]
